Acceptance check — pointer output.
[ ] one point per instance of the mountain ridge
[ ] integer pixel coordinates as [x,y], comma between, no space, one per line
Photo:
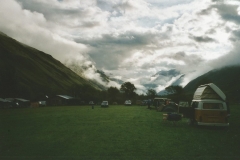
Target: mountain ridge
[25,70]
[226,78]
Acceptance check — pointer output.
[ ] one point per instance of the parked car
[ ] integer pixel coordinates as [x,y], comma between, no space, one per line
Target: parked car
[128,103]
[91,102]
[104,104]
[42,103]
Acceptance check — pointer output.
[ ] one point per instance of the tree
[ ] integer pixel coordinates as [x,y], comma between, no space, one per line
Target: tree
[113,94]
[128,88]
[151,93]
[176,92]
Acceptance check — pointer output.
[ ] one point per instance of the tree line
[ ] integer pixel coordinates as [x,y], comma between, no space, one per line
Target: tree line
[127,91]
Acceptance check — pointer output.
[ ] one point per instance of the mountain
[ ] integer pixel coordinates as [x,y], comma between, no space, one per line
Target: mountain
[227,79]
[100,80]
[108,79]
[27,72]
[164,78]
[118,81]
[103,76]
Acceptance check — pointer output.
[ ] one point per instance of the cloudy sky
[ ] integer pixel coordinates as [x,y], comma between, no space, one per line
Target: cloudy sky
[129,39]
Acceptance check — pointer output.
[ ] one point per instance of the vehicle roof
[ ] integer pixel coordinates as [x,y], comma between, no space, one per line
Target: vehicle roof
[65,96]
[207,100]
[209,91]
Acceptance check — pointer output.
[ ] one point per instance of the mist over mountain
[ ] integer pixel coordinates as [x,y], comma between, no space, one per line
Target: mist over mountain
[163,79]
[30,73]
[226,78]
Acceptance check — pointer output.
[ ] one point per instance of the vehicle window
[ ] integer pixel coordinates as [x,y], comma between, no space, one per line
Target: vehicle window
[195,104]
[212,106]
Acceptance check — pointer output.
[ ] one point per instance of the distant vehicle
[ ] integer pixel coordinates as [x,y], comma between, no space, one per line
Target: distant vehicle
[165,105]
[128,103]
[160,101]
[104,104]
[91,102]
[42,103]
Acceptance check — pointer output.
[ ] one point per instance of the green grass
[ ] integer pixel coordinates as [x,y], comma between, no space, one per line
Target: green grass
[117,132]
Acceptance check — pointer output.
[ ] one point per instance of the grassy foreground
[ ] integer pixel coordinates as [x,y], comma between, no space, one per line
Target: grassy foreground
[117,132]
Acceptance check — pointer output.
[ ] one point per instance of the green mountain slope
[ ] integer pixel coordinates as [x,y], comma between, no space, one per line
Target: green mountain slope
[227,79]
[27,72]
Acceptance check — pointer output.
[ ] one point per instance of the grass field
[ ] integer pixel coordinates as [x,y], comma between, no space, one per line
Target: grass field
[117,132]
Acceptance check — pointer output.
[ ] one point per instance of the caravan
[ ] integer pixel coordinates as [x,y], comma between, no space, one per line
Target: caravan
[209,107]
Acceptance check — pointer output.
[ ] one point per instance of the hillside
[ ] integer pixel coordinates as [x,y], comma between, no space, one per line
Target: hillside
[227,79]
[28,73]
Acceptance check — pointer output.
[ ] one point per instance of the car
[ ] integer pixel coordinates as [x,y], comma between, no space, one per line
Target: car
[128,103]
[91,102]
[42,103]
[104,104]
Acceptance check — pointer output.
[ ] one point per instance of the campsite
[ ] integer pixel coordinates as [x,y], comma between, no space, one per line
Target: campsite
[119,80]
[116,132]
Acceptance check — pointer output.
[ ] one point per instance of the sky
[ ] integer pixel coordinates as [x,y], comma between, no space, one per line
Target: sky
[130,40]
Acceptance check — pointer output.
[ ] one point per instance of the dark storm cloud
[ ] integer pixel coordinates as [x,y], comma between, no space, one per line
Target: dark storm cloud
[236,34]
[202,39]
[124,6]
[226,11]
[90,24]
[206,11]
[109,48]
[156,63]
[211,31]
[110,51]
[129,39]
[190,60]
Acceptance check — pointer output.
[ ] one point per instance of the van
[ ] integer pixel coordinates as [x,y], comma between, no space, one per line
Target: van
[208,107]
[128,103]
[159,101]
[210,112]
